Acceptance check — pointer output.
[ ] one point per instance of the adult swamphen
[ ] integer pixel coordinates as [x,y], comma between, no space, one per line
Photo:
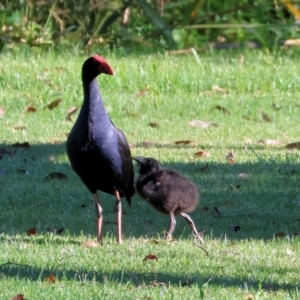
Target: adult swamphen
[167,191]
[97,150]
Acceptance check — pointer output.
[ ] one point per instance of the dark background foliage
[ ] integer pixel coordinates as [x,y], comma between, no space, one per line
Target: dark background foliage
[152,24]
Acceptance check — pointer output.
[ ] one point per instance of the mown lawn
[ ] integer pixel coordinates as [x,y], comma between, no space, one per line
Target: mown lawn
[249,209]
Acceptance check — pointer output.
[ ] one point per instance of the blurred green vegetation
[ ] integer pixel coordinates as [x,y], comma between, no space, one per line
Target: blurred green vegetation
[148,25]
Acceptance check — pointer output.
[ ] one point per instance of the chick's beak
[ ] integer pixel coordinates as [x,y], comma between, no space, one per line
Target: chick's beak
[139,159]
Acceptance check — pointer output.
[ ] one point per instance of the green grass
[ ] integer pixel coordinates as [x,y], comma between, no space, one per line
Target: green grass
[247,262]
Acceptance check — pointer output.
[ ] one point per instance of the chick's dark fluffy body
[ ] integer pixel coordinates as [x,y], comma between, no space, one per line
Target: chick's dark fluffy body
[166,190]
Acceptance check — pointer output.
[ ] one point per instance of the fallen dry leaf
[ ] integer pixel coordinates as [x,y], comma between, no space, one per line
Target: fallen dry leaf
[222,109]
[202,124]
[31,231]
[71,111]
[2,112]
[88,244]
[53,104]
[153,124]
[202,154]
[150,257]
[295,145]
[270,142]
[243,175]
[143,92]
[18,297]
[230,157]
[20,127]
[31,109]
[218,89]
[51,279]
[21,145]
[55,175]
[184,142]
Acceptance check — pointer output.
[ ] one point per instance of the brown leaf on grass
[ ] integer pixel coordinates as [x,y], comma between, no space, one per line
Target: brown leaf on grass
[222,109]
[295,145]
[55,175]
[18,297]
[202,154]
[230,157]
[53,104]
[90,244]
[153,124]
[265,117]
[2,112]
[279,235]
[202,124]
[21,145]
[143,92]
[31,109]
[270,142]
[31,231]
[150,257]
[218,89]
[184,142]
[51,279]
[20,127]
[71,111]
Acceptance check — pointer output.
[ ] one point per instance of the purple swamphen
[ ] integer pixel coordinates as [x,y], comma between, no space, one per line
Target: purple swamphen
[97,150]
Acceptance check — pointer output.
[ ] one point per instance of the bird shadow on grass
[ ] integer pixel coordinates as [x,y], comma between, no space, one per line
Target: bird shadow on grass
[146,279]
[241,200]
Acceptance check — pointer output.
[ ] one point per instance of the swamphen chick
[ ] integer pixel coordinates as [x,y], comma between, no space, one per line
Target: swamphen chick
[167,191]
[97,150]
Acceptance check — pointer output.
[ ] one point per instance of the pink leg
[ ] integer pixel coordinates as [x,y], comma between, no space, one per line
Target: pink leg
[99,212]
[172,225]
[119,217]
[193,227]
